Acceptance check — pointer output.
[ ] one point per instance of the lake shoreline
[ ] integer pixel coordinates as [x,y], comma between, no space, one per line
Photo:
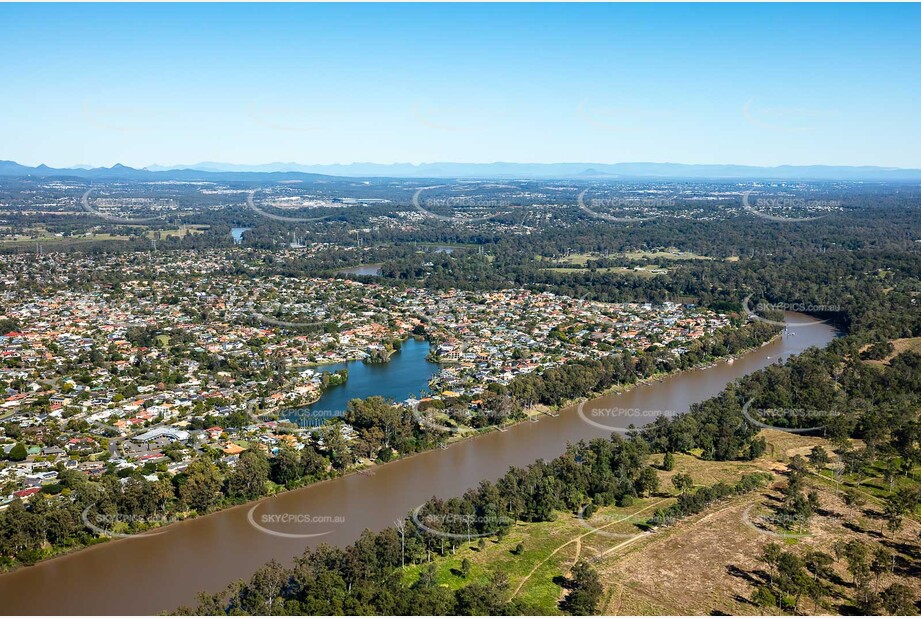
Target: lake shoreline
[169,566]
[371,467]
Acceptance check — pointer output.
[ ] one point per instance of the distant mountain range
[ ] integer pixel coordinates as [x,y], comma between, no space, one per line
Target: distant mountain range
[293,171]
[569,170]
[122,172]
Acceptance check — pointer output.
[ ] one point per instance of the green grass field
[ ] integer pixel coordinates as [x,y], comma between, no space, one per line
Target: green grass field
[551,548]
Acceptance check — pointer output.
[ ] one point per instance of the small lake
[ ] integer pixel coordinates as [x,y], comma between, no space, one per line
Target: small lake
[407,373]
[373,270]
[152,573]
[237,233]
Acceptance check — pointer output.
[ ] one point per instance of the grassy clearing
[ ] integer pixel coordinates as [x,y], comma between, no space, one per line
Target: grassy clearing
[551,548]
[42,236]
[645,271]
[912,344]
[181,232]
[539,540]
[706,563]
[664,254]
[784,446]
[579,259]
[21,240]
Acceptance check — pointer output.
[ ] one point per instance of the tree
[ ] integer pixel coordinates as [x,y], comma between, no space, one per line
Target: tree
[898,505]
[248,478]
[816,591]
[400,525]
[482,599]
[890,471]
[237,419]
[259,594]
[648,481]
[798,465]
[852,497]
[18,452]
[792,577]
[770,555]
[881,562]
[682,482]
[585,590]
[202,485]
[858,562]
[764,598]
[465,568]
[818,458]
[819,563]
[312,463]
[668,462]
[286,466]
[428,577]
[335,446]
[855,463]
[868,601]
[898,600]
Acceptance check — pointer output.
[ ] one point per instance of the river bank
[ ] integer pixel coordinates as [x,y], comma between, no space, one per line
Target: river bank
[156,572]
[616,389]
[416,354]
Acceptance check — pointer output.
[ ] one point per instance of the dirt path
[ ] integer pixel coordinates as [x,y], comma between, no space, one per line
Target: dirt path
[620,599]
[615,600]
[620,545]
[575,560]
[578,541]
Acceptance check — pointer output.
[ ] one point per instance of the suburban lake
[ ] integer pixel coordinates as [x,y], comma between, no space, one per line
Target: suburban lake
[373,270]
[159,571]
[237,234]
[407,373]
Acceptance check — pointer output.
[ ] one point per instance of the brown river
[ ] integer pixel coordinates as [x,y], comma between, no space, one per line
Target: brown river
[157,572]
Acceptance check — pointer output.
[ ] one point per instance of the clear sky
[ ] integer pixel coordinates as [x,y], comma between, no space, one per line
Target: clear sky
[747,84]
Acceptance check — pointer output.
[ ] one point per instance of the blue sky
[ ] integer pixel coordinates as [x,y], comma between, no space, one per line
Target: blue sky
[746,84]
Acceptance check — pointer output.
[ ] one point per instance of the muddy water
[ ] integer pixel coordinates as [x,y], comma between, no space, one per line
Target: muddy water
[150,574]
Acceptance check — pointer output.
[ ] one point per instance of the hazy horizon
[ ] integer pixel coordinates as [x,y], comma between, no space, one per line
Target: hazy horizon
[760,85]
